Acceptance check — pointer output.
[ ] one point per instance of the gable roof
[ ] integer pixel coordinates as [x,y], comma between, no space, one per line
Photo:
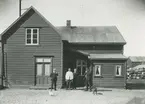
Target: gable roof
[21,19]
[137,58]
[91,34]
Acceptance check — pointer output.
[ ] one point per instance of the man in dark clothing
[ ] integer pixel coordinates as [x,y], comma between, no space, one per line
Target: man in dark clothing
[88,79]
[53,76]
[75,78]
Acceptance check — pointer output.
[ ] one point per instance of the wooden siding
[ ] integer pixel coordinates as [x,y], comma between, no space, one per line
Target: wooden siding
[20,57]
[92,48]
[1,64]
[108,78]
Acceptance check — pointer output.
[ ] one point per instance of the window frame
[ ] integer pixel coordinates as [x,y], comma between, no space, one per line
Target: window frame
[120,72]
[100,73]
[81,65]
[32,36]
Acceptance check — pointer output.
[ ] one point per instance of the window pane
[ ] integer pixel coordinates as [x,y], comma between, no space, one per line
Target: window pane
[28,41]
[118,70]
[34,30]
[79,70]
[28,36]
[35,36]
[28,31]
[39,60]
[35,41]
[83,71]
[97,70]
[47,59]
[84,62]
[47,69]
[78,62]
[39,69]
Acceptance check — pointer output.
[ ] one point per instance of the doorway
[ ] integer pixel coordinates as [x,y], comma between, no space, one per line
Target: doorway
[81,66]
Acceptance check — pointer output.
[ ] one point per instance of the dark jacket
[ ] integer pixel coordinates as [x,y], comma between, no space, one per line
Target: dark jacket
[75,75]
[54,76]
[88,76]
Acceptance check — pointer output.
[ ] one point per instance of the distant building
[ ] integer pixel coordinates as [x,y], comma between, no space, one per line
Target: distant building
[135,60]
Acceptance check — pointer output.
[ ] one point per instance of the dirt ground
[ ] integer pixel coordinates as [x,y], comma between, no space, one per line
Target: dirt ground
[104,96]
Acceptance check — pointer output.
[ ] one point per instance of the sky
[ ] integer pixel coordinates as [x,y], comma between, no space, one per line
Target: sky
[127,15]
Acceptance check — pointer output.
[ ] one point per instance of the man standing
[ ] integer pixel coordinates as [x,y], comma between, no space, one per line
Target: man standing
[75,78]
[69,78]
[53,76]
[88,79]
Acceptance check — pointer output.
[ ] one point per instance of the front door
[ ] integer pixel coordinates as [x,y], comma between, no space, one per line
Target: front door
[43,70]
[81,66]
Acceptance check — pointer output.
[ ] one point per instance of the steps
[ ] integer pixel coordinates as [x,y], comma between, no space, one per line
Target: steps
[39,87]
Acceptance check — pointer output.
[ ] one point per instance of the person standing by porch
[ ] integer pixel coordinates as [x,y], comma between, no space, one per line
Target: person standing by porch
[75,78]
[53,76]
[69,78]
[88,79]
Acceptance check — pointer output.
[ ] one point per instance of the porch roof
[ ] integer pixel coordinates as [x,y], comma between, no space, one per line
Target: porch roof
[79,51]
[107,56]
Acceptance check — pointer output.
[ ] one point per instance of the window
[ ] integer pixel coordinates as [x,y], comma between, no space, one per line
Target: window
[43,60]
[32,36]
[118,70]
[81,66]
[39,69]
[97,70]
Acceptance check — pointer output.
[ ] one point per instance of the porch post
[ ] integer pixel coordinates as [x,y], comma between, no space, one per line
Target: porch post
[1,65]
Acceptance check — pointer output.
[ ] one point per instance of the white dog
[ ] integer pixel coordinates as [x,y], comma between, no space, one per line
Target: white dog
[51,93]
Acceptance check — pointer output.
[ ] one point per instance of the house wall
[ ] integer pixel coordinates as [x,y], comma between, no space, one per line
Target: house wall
[20,57]
[108,78]
[129,63]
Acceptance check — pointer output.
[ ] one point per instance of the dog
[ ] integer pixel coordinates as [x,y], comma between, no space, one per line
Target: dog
[51,93]
[94,90]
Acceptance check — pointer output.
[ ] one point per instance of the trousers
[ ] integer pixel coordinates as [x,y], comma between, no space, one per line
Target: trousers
[53,84]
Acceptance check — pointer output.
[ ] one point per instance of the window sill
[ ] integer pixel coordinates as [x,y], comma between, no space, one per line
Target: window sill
[119,77]
[31,45]
[98,76]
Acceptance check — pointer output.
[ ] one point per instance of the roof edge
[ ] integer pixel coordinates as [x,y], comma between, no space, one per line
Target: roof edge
[16,21]
[112,43]
[31,7]
[121,35]
[108,59]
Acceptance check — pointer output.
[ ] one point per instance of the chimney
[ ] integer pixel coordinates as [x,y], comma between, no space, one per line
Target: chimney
[68,23]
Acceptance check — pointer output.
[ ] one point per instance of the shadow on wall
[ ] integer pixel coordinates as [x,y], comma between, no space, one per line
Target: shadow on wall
[136,100]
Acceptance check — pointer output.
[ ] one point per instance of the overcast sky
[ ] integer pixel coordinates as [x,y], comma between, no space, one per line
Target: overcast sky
[127,15]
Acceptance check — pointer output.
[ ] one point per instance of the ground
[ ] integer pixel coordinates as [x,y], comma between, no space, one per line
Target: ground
[104,96]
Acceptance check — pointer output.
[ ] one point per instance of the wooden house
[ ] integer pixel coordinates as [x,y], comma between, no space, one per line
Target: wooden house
[135,60]
[32,47]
